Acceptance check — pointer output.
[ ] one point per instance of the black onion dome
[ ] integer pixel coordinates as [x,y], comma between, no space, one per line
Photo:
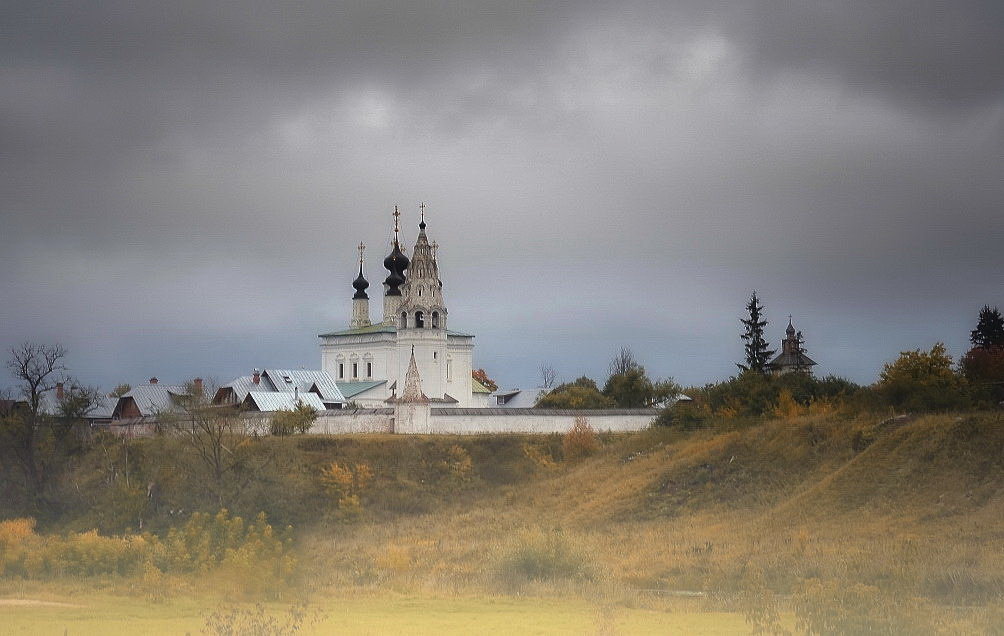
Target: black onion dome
[360,284]
[790,330]
[395,263]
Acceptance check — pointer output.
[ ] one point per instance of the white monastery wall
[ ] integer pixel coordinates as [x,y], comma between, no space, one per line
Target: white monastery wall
[469,421]
[445,421]
[458,421]
[360,421]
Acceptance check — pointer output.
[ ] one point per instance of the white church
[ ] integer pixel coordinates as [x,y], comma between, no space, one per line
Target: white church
[407,373]
[369,360]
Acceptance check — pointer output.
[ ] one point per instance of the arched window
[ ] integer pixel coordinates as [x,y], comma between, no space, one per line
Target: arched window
[419,320]
[435,320]
[404,320]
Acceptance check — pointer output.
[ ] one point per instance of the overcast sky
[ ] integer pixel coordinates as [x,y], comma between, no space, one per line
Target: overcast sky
[183,184]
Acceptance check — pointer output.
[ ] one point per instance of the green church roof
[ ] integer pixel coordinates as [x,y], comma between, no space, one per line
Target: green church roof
[382,328]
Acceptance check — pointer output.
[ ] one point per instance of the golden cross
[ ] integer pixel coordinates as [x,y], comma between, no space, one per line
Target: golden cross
[421,206]
[362,247]
[397,216]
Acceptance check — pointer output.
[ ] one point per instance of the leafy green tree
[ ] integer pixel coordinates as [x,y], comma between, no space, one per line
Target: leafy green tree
[580,394]
[293,421]
[989,330]
[629,390]
[922,381]
[757,353]
[630,387]
[664,392]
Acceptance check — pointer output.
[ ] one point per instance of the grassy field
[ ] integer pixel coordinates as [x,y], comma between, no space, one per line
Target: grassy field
[894,525]
[103,615]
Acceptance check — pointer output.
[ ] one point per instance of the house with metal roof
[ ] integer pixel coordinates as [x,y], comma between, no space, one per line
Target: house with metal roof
[271,401]
[150,400]
[283,382]
[517,398]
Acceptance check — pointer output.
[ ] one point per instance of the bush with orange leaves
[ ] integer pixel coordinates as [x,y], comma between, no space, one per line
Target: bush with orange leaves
[581,440]
[345,484]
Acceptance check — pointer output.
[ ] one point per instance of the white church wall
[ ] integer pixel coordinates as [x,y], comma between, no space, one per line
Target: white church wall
[430,351]
[360,351]
[459,354]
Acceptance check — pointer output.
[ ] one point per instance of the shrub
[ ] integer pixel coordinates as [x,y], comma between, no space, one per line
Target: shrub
[457,467]
[346,483]
[540,456]
[581,440]
[295,421]
[581,394]
[686,415]
[542,558]
[253,557]
[236,621]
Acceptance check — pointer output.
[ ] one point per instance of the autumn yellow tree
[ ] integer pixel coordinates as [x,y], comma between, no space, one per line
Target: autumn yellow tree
[922,381]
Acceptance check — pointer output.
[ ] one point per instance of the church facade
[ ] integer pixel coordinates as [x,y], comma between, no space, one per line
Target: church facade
[369,359]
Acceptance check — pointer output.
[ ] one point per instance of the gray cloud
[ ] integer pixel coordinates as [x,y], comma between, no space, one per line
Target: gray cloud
[182,187]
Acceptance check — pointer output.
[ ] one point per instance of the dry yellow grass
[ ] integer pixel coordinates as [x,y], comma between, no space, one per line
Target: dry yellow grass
[917,512]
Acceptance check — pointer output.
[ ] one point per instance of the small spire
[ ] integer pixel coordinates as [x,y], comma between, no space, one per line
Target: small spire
[360,283]
[435,249]
[413,383]
[397,225]
[421,207]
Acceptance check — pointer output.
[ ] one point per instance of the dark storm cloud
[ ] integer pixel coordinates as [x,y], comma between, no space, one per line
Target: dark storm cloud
[190,178]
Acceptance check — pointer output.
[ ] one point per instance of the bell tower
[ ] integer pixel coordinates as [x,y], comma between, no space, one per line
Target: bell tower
[421,319]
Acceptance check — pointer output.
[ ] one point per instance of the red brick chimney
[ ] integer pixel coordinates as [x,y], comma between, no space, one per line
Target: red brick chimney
[256,378]
[153,380]
[197,385]
[59,390]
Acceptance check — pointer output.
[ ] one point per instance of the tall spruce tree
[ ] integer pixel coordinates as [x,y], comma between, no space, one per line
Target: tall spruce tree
[989,330]
[757,353]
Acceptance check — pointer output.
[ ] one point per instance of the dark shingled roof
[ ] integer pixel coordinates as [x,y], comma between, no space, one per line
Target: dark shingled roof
[791,360]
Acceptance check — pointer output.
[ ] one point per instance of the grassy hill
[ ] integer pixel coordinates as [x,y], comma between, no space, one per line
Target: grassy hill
[892,521]
[910,505]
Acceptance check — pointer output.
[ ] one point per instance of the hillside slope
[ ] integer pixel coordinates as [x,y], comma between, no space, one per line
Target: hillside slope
[910,505]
